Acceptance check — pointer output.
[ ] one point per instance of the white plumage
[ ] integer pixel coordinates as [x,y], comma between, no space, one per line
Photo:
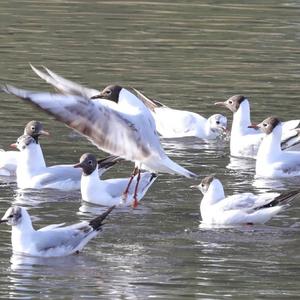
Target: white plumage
[271,160]
[174,123]
[244,141]
[50,241]
[244,208]
[110,191]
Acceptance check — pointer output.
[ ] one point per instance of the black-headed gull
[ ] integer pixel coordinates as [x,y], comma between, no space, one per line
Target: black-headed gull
[244,141]
[244,208]
[124,127]
[50,241]
[32,171]
[174,123]
[110,191]
[271,161]
[9,159]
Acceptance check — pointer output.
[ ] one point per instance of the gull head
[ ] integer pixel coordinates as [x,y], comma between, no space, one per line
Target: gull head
[13,216]
[204,184]
[111,93]
[23,142]
[218,122]
[233,103]
[35,129]
[88,163]
[267,125]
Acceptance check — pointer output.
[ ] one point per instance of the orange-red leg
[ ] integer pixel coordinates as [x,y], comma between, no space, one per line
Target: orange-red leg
[135,199]
[125,193]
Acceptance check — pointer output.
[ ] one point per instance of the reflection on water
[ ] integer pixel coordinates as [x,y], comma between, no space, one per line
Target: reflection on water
[188,55]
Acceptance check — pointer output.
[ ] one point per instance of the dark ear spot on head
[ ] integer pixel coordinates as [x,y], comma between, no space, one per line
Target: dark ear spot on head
[207,180]
[235,101]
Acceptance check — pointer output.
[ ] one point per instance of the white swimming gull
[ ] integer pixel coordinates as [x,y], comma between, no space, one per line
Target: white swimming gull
[271,161]
[174,123]
[9,159]
[244,208]
[110,191]
[53,240]
[244,141]
[33,173]
[116,122]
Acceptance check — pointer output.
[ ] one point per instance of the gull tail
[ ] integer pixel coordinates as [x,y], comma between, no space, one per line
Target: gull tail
[146,181]
[166,165]
[281,200]
[150,103]
[97,222]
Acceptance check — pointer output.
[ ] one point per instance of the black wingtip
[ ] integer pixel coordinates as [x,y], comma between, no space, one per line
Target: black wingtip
[153,176]
[286,197]
[283,199]
[97,222]
[108,162]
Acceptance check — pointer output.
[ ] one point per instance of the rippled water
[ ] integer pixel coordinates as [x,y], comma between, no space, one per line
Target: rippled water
[188,54]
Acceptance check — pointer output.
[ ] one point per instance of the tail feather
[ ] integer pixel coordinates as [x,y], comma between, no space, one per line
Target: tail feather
[147,180]
[169,166]
[97,222]
[282,199]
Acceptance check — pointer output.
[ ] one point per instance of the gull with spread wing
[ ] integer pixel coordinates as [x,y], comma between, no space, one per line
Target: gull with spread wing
[116,121]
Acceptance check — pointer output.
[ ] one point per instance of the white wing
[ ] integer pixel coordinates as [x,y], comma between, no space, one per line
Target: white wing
[52,226]
[289,125]
[61,237]
[65,86]
[112,131]
[245,201]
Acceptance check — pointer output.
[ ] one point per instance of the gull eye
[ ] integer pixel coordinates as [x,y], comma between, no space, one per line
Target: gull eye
[230,101]
[217,122]
[33,128]
[202,184]
[108,92]
[265,124]
[23,147]
[90,162]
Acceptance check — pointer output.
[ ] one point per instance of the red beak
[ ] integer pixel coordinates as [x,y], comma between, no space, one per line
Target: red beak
[255,126]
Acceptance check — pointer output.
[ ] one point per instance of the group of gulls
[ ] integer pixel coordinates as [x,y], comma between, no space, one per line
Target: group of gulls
[128,125]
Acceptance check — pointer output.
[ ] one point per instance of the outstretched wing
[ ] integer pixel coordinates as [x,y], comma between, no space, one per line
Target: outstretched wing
[112,131]
[150,103]
[65,86]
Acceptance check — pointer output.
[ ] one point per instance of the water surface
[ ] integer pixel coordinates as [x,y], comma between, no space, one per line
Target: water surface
[187,54]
